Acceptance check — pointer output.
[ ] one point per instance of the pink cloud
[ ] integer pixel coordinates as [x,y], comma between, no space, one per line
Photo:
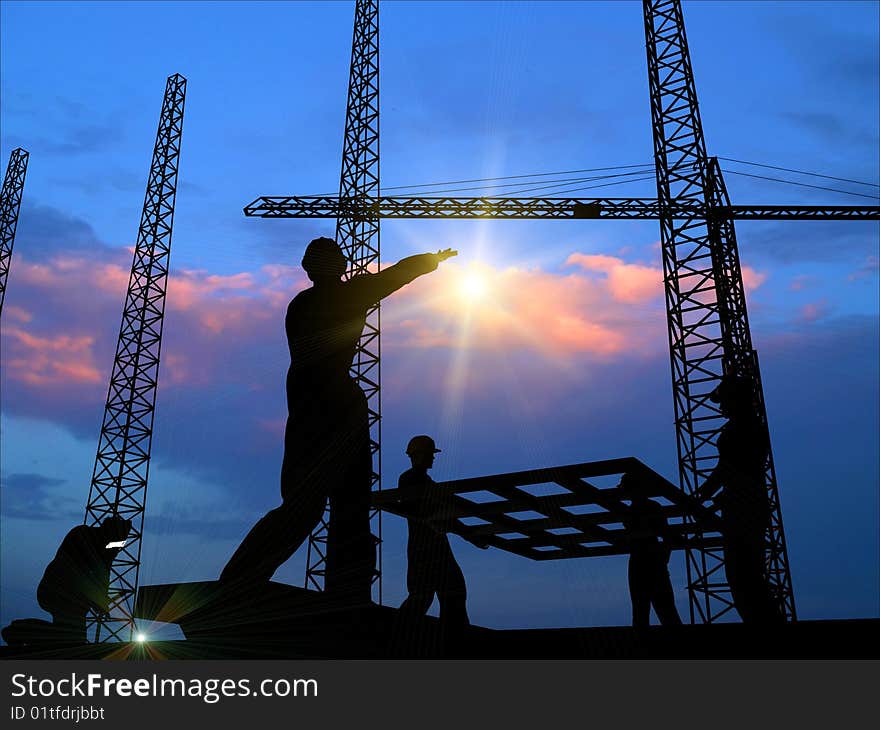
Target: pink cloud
[814,311]
[632,283]
[17,314]
[220,327]
[50,361]
[556,315]
[273,426]
[80,302]
[606,309]
[752,279]
[233,302]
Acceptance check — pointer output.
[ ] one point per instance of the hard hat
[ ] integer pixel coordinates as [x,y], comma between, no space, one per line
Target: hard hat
[323,256]
[116,525]
[421,444]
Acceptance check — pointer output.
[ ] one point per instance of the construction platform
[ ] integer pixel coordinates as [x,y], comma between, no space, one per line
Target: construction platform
[286,622]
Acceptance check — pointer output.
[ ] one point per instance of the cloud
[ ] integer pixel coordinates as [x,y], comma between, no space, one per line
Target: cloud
[77,140]
[631,283]
[814,311]
[221,406]
[50,361]
[223,351]
[211,525]
[822,123]
[69,127]
[819,241]
[17,314]
[752,279]
[37,497]
[554,315]
[58,342]
[802,282]
[870,268]
[43,230]
[532,337]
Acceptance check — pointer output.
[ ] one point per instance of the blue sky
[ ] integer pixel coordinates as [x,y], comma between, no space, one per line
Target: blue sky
[469,90]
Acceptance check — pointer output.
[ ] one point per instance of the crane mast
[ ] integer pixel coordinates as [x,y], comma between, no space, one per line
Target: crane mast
[358,237]
[10,204]
[122,463]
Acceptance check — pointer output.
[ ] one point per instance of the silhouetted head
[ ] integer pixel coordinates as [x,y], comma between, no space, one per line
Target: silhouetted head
[734,394]
[115,528]
[421,450]
[324,260]
[632,486]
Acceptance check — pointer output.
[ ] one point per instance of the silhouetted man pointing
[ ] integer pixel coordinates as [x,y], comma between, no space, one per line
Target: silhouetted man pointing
[327,438]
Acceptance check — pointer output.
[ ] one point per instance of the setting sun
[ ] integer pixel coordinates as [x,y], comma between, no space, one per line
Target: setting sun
[473,286]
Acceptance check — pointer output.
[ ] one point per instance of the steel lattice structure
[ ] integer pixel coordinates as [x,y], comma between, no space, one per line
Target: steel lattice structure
[741,358]
[537,208]
[705,300]
[358,236]
[10,203]
[119,481]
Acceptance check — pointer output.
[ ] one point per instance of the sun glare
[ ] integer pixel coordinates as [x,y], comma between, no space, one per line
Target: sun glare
[473,286]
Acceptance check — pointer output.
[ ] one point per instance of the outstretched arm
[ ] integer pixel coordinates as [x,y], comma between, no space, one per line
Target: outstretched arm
[372,288]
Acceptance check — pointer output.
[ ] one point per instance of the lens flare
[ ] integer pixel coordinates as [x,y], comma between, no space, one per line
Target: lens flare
[473,286]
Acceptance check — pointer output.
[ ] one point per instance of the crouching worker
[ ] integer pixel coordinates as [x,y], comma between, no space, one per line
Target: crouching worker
[649,583]
[75,582]
[431,564]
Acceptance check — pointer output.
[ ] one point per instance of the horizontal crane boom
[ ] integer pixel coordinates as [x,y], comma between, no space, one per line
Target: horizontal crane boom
[536,208]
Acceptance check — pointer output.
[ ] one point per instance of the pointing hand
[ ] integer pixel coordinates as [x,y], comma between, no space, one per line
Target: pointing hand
[446,253]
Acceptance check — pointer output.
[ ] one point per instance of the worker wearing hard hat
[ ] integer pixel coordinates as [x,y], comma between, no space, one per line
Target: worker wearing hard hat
[76,581]
[78,578]
[432,567]
[648,532]
[739,482]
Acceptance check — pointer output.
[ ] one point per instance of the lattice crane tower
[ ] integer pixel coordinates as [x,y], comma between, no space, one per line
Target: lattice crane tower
[122,464]
[10,204]
[705,302]
[358,236]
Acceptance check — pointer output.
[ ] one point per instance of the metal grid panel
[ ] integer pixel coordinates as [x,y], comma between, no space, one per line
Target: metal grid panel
[119,481]
[507,512]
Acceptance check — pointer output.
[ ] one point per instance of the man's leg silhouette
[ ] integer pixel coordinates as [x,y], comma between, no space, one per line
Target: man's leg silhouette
[351,548]
[452,591]
[639,592]
[663,598]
